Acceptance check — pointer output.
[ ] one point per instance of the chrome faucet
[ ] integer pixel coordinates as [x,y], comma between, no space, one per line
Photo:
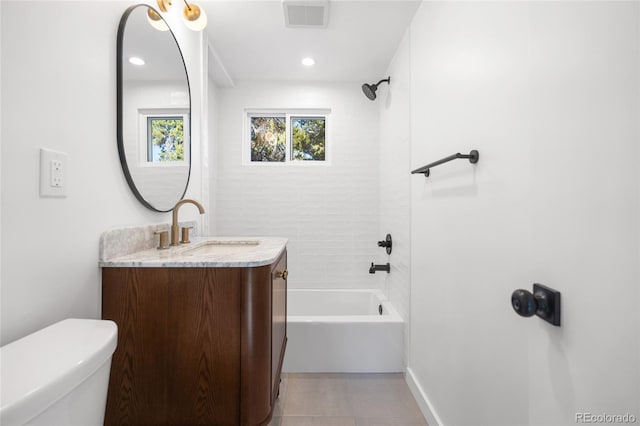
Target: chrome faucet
[174,224]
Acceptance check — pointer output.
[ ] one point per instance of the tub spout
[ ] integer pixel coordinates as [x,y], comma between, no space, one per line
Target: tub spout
[375,268]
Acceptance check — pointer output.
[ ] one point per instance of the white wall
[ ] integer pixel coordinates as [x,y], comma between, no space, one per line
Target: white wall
[59,92]
[395,180]
[329,213]
[548,92]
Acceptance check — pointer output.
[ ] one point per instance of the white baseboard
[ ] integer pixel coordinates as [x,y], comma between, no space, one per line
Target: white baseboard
[425,405]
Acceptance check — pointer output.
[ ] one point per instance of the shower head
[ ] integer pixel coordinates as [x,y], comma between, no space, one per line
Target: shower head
[370,89]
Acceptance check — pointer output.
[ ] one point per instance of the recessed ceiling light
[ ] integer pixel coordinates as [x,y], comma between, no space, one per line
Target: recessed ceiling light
[307,62]
[136,61]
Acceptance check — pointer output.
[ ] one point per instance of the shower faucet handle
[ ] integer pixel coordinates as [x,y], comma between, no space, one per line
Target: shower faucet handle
[386,243]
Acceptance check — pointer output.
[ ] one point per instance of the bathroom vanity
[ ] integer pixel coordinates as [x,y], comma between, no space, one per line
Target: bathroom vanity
[201,332]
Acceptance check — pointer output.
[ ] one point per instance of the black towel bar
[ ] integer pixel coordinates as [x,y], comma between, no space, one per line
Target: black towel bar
[473,157]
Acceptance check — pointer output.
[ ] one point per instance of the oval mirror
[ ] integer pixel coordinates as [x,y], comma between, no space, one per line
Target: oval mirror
[154,109]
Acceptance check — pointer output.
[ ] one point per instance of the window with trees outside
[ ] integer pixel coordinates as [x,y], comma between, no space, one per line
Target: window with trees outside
[287,137]
[165,139]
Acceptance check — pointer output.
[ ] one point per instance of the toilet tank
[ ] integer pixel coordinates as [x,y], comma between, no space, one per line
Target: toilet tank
[58,375]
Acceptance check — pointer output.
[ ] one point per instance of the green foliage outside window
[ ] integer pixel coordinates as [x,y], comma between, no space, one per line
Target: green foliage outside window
[307,138]
[268,139]
[166,139]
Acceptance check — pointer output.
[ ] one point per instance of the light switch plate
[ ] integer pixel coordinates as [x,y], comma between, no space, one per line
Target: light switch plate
[53,173]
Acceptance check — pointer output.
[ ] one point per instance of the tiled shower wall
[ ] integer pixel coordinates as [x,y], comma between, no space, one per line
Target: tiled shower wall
[395,179]
[329,213]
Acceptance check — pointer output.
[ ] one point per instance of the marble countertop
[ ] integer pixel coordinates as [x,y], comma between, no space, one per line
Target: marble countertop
[205,252]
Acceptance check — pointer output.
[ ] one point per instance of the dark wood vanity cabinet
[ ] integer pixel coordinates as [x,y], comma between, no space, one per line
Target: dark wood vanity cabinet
[196,346]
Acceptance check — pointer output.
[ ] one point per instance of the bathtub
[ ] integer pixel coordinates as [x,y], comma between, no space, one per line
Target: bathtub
[342,331]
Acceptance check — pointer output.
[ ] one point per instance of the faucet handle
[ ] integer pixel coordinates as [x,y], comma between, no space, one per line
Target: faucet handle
[386,243]
[185,235]
[164,239]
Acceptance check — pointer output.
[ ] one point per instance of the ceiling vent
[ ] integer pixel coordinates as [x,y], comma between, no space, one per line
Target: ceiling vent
[306,13]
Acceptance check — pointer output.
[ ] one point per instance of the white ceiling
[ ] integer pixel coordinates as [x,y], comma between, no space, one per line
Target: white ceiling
[249,40]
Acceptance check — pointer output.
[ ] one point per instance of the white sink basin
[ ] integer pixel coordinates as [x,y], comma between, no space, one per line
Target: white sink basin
[222,247]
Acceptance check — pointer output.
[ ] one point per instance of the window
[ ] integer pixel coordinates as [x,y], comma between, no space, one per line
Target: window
[161,137]
[268,138]
[165,139]
[308,138]
[286,137]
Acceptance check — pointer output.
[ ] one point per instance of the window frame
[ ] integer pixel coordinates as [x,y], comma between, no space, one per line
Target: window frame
[288,113]
[143,134]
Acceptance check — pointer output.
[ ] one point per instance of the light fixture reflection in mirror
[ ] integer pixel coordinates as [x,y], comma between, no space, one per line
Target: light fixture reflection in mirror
[156,20]
[154,111]
[194,16]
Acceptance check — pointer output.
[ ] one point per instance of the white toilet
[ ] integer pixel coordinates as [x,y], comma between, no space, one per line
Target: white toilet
[59,375]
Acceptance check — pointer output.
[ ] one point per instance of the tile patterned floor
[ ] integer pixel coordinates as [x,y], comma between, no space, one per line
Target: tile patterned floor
[346,400]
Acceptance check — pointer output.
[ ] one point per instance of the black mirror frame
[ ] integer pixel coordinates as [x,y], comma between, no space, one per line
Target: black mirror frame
[120,109]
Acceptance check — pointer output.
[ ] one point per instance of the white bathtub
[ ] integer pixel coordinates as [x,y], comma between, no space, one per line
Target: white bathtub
[342,331]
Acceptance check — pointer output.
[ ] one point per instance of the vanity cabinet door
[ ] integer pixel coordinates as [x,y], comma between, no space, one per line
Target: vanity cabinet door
[136,299]
[178,355]
[278,322]
[203,346]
